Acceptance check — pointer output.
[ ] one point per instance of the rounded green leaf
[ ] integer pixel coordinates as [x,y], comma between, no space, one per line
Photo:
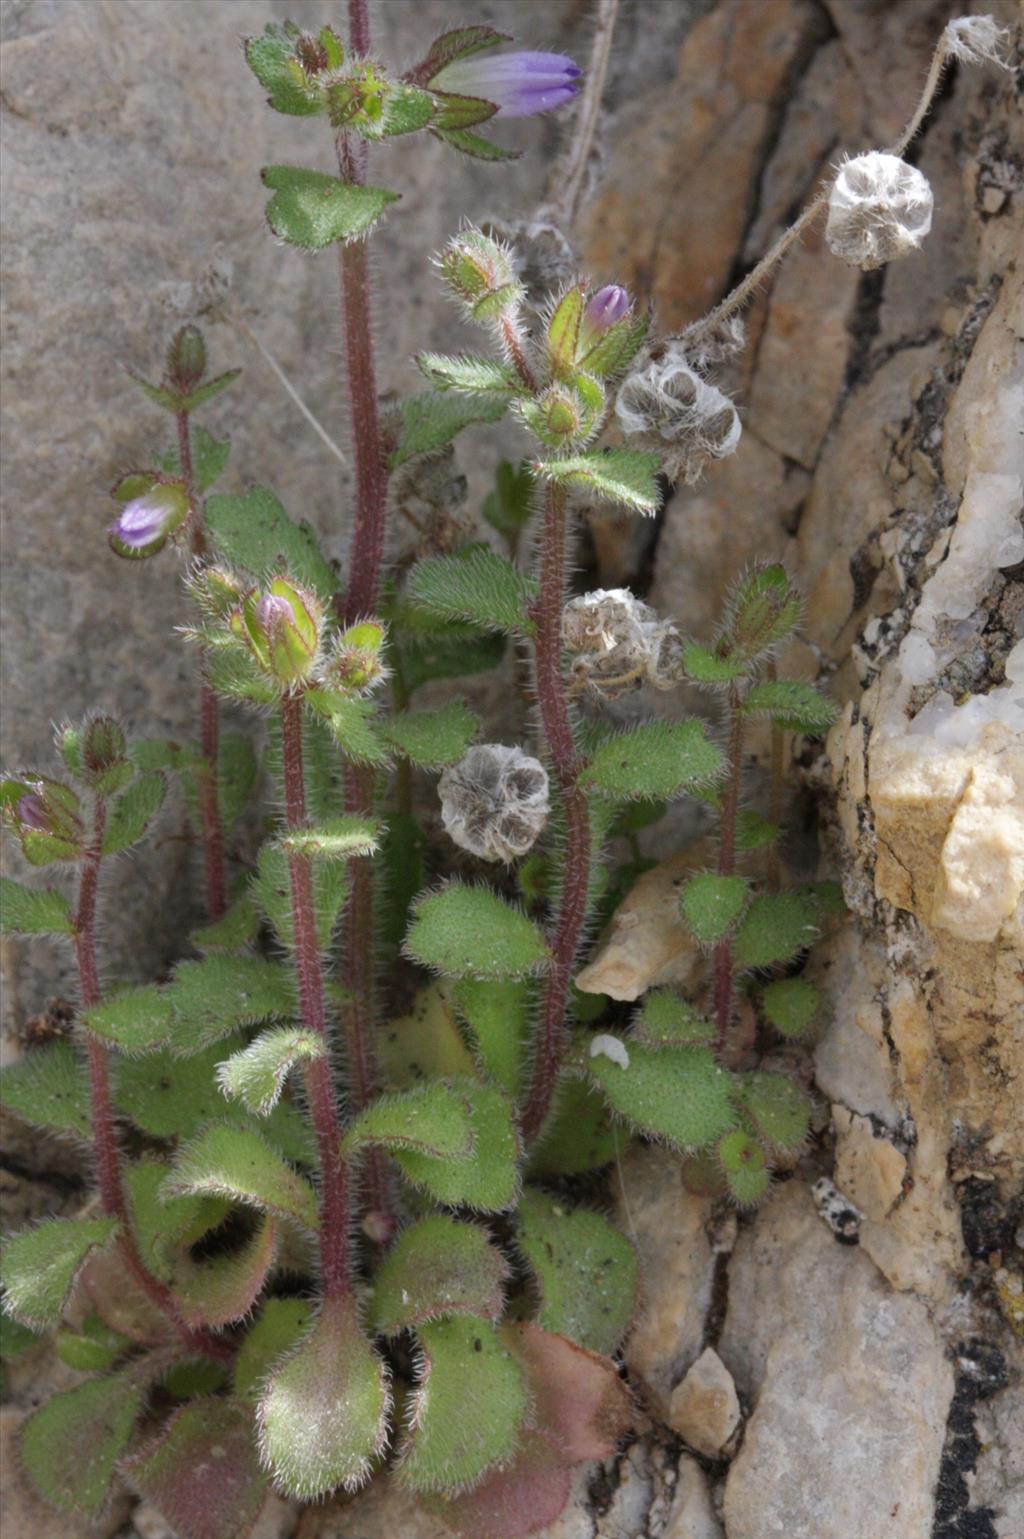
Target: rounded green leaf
[469,932]
[711,904]
[791,1005]
[679,1094]
[665,1019]
[746,1172]
[655,761]
[791,704]
[33,910]
[437,1268]
[779,1109]
[434,1119]
[202,1471]
[49,1087]
[135,1021]
[433,739]
[311,210]
[467,1407]
[257,1074]
[323,1413]
[281,1326]
[774,928]
[236,1163]
[586,1272]
[71,1445]
[38,1267]
[489,1179]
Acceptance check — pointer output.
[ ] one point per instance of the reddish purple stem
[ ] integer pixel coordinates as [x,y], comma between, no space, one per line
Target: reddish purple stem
[334,1195]
[567,929]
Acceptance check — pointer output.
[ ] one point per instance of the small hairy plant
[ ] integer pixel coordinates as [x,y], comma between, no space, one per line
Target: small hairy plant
[331,1235]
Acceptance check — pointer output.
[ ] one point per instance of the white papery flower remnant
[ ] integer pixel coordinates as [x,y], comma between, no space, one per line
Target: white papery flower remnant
[664,403]
[619,643]
[977,39]
[879,209]
[494,802]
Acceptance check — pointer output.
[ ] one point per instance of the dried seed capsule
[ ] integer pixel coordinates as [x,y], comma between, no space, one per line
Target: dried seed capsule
[619,643]
[494,802]
[664,403]
[879,209]
[975,39]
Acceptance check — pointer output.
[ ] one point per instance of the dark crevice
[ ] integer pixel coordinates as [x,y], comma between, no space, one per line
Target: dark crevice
[60,1181]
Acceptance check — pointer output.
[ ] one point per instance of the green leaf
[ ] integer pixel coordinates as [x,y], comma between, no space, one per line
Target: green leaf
[210,388]
[130,813]
[426,1043]
[563,331]
[432,1119]
[742,1160]
[427,647]
[256,533]
[474,144]
[15,1338]
[676,1093]
[256,1075]
[625,476]
[477,586]
[657,760]
[792,705]
[169,400]
[754,832]
[135,1021]
[774,928]
[71,1445]
[351,724]
[237,1164]
[429,421]
[312,211]
[209,457]
[271,57]
[469,932]
[510,506]
[778,1109]
[712,904]
[202,1471]
[271,889]
[436,1268]
[189,1380]
[235,675]
[39,1266]
[323,1413]
[237,770]
[401,875]
[667,1020]
[50,1088]
[433,739]
[579,1136]
[791,1005]
[165,1227]
[224,1289]
[340,838]
[212,998]
[497,1016]
[279,1329]
[406,110]
[489,1181]
[466,1409]
[586,1272]
[469,374]
[93,1349]
[237,929]
[33,910]
[705,666]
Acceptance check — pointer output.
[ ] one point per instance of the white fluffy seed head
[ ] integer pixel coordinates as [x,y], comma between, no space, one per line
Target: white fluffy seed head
[494,802]
[619,643]
[665,403]
[879,209]
[977,40]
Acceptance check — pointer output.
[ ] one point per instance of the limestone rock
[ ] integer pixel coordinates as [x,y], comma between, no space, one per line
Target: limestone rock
[692,1514]
[869,1169]
[705,1409]
[666,1224]
[850,1381]
[646,944]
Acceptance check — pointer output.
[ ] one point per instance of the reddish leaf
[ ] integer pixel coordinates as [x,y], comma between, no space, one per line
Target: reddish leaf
[523,1499]
[203,1472]
[579,1400]
[118,1300]
[223,1290]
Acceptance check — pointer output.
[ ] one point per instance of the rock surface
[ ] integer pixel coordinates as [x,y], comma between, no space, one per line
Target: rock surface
[705,1409]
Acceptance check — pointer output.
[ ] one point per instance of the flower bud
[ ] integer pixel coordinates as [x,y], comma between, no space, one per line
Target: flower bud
[216,591]
[494,802]
[152,511]
[479,272]
[281,627]
[45,816]
[606,309]
[619,644]
[105,764]
[879,209]
[763,609]
[666,404]
[186,360]
[541,254]
[356,663]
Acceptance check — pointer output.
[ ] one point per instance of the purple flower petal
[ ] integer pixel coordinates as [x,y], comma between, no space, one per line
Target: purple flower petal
[140,523]
[272,610]
[519,84]
[30,811]
[606,308]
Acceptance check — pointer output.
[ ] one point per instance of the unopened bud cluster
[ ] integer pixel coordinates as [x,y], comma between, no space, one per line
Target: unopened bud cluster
[879,209]
[494,802]
[618,644]
[665,403]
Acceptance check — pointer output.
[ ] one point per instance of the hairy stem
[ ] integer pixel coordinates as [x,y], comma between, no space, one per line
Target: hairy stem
[359,26]
[743,290]
[567,928]
[104,1132]
[572,177]
[209,713]
[334,1196]
[723,972]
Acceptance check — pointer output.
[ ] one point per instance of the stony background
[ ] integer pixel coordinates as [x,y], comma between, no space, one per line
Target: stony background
[839,1392]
